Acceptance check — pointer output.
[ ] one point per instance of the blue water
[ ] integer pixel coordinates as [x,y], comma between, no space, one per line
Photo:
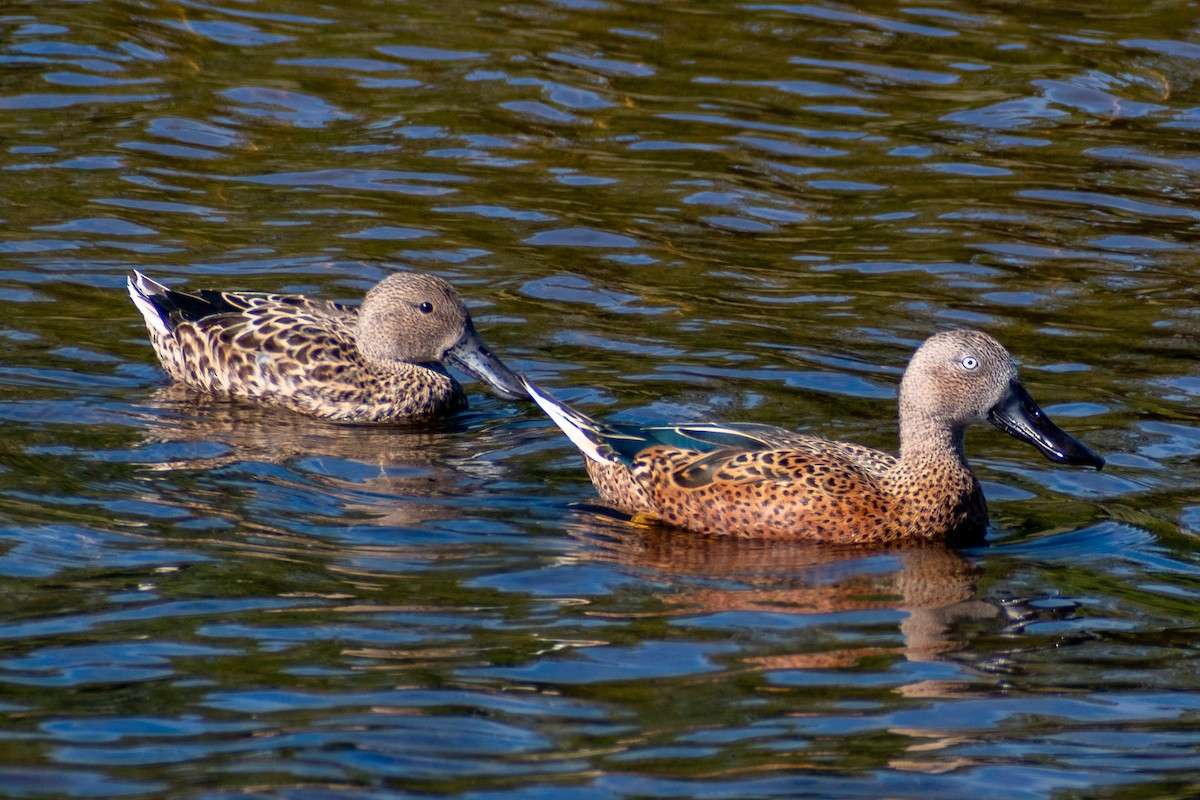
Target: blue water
[741,211]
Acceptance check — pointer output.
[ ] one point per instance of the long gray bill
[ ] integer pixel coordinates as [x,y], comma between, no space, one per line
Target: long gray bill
[1019,416]
[471,356]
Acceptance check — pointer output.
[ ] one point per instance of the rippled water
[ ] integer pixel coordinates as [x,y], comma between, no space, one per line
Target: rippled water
[736,210]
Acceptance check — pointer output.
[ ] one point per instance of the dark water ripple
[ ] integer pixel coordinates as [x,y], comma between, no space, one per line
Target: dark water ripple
[750,211]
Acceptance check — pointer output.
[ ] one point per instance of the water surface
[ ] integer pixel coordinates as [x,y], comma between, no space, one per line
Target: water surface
[733,210]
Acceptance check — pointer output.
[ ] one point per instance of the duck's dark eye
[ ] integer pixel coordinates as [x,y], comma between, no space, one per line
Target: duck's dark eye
[426,308]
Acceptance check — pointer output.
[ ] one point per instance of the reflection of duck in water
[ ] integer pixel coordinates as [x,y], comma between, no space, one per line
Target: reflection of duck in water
[251,432]
[843,658]
[382,475]
[381,362]
[932,584]
[758,481]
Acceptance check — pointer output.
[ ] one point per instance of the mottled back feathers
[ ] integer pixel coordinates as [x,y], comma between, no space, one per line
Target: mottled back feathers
[381,362]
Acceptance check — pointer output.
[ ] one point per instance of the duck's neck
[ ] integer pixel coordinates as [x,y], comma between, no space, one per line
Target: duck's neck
[935,492]
[933,441]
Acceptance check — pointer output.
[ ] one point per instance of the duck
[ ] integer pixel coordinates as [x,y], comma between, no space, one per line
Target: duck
[381,362]
[758,481]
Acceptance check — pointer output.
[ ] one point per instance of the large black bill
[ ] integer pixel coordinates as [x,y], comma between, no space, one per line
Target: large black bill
[1019,416]
[472,357]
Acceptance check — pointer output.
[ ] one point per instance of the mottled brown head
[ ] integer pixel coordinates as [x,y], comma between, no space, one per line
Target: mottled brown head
[958,378]
[955,378]
[415,318]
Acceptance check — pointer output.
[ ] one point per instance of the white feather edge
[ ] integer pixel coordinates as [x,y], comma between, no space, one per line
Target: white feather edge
[572,422]
[140,289]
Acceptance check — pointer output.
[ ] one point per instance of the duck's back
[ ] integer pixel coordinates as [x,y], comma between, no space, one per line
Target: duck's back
[207,303]
[751,480]
[739,436]
[798,492]
[805,487]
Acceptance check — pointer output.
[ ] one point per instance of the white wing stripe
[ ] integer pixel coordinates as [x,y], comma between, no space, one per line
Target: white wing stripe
[140,288]
[573,423]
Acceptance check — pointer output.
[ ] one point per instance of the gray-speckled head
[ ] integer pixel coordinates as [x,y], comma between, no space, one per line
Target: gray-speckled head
[418,318]
[957,378]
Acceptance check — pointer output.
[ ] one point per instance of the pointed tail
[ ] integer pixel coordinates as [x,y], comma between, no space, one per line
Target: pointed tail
[584,432]
[142,290]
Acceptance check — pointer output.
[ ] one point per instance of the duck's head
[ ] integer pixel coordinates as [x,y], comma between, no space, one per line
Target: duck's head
[416,318]
[957,378]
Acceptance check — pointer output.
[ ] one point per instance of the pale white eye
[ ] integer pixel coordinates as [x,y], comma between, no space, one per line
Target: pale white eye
[970,362]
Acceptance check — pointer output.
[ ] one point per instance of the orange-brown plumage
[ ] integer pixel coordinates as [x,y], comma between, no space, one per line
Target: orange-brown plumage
[757,481]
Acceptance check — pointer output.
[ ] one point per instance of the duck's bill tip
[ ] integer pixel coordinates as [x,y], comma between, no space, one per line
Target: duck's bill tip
[1020,417]
[472,357]
[1075,454]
